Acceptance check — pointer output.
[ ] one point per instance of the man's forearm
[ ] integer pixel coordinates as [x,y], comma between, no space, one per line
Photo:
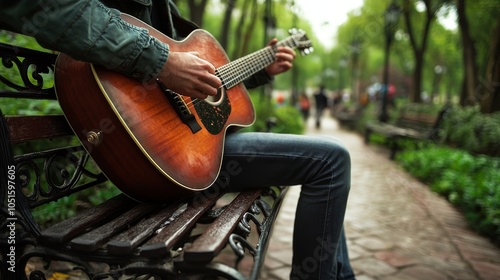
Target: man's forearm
[88,31]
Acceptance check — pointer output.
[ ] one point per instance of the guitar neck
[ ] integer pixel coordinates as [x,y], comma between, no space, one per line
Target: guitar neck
[239,70]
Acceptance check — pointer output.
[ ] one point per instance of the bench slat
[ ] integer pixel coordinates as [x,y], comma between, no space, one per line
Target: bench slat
[26,128]
[66,230]
[166,239]
[390,130]
[96,238]
[127,241]
[214,239]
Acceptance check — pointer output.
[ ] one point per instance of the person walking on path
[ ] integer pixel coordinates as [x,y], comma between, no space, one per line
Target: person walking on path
[321,103]
[305,106]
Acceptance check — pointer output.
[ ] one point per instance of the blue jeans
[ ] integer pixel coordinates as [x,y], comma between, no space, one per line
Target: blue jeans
[321,166]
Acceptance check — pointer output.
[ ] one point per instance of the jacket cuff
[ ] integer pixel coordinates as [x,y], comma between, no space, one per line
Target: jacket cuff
[258,79]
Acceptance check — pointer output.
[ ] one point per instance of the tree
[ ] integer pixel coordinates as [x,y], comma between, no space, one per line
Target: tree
[419,48]
[491,102]
[197,10]
[226,23]
[470,82]
[481,43]
[244,29]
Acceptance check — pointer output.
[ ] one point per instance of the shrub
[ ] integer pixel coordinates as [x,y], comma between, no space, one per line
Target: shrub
[467,181]
[467,128]
[66,207]
[288,118]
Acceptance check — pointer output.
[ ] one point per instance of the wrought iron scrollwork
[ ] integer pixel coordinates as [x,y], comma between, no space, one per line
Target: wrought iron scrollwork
[49,175]
[244,224]
[37,275]
[89,268]
[262,214]
[239,244]
[35,69]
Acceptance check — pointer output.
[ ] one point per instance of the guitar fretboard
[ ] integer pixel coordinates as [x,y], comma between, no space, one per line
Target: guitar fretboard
[239,70]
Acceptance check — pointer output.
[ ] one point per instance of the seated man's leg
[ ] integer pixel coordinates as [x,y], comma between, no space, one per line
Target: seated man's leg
[321,165]
[344,269]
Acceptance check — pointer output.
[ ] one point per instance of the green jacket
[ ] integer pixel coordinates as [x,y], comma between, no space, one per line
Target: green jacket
[92,31]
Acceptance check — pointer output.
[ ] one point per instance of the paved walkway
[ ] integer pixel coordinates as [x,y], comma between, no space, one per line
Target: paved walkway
[396,227]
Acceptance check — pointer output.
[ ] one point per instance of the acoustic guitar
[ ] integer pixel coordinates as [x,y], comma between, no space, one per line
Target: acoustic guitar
[156,145]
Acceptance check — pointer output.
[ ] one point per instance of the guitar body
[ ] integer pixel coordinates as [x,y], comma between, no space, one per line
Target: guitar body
[133,131]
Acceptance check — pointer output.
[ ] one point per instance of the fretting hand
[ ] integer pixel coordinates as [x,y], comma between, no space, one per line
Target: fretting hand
[283,62]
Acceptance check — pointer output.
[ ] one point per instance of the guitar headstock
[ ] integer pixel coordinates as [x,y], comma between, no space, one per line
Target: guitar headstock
[303,43]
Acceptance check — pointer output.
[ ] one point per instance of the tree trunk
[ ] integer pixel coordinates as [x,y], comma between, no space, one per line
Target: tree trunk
[250,28]
[197,10]
[470,83]
[226,24]
[418,51]
[244,31]
[491,92]
[416,90]
[239,30]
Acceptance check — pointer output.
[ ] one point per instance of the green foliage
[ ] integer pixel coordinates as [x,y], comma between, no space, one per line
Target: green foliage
[67,206]
[467,181]
[33,107]
[457,172]
[471,130]
[288,119]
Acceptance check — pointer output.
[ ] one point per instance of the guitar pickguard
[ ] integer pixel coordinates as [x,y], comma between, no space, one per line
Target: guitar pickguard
[214,115]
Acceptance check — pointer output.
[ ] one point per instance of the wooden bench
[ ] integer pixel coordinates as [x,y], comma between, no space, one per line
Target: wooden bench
[348,117]
[415,121]
[210,234]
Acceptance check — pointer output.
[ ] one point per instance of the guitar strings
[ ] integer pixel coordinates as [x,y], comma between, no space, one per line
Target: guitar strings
[226,72]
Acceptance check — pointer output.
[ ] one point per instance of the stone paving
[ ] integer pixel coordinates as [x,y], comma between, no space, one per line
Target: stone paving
[396,228]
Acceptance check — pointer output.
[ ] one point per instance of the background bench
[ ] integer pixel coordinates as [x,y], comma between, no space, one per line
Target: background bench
[348,117]
[211,233]
[414,121]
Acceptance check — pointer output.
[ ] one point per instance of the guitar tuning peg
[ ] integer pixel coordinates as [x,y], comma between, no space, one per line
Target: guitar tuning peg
[307,51]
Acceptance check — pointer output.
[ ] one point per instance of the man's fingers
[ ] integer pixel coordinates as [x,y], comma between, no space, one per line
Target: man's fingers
[214,82]
[272,42]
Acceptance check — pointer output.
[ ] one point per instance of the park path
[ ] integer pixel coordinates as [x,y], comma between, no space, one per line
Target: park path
[395,226]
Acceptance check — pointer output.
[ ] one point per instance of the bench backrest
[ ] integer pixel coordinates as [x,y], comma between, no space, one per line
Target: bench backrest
[41,151]
[418,115]
[423,117]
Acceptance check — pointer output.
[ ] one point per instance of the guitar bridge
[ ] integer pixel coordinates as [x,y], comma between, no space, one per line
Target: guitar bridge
[180,108]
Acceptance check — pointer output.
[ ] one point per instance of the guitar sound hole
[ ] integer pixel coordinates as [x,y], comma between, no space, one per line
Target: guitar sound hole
[217,99]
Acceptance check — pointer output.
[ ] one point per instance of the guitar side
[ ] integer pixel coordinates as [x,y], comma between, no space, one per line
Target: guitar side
[142,145]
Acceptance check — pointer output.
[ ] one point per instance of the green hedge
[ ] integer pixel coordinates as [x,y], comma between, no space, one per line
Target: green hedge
[288,118]
[467,128]
[469,182]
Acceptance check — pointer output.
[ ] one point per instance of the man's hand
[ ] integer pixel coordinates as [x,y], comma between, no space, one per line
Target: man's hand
[283,62]
[188,74]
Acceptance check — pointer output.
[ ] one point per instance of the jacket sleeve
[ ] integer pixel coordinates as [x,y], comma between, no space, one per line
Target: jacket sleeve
[258,79]
[87,31]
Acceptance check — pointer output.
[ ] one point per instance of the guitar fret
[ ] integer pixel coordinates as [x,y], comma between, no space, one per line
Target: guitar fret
[244,67]
[237,71]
